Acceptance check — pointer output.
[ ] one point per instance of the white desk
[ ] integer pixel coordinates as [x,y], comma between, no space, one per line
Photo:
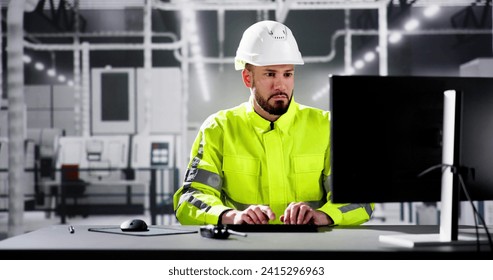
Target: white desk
[340,242]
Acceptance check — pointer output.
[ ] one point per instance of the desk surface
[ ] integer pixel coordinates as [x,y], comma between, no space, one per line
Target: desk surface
[340,240]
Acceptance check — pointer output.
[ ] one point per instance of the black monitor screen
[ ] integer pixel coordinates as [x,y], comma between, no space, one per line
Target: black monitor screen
[114,97]
[476,142]
[387,130]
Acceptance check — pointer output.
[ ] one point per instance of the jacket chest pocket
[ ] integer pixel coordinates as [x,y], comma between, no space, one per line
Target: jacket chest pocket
[241,178]
[308,171]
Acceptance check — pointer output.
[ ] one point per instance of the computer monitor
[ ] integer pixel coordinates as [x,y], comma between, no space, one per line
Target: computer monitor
[387,130]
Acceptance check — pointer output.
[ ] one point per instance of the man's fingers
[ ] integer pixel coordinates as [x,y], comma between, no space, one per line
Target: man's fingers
[269,213]
[297,213]
[245,218]
[257,214]
[301,214]
[260,216]
[295,210]
[308,216]
[287,216]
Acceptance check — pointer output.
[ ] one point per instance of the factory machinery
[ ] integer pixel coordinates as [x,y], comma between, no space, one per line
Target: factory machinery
[125,162]
[115,174]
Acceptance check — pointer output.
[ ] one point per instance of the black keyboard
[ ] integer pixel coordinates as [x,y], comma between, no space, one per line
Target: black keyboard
[277,228]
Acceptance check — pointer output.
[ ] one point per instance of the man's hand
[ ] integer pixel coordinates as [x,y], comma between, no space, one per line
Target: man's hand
[254,214]
[300,213]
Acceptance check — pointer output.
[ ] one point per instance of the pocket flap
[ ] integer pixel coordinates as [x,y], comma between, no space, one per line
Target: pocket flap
[243,165]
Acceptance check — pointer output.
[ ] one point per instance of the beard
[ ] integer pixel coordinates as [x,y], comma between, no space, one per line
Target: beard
[277,109]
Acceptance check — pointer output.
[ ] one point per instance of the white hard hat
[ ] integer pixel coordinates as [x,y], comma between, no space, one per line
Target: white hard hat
[267,43]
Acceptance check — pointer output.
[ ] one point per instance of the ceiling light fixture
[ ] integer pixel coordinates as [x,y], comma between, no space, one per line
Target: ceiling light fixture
[395,37]
[369,56]
[39,66]
[431,11]
[412,24]
[359,64]
[27,59]
[51,72]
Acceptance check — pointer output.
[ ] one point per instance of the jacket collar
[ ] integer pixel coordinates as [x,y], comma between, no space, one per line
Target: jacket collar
[262,125]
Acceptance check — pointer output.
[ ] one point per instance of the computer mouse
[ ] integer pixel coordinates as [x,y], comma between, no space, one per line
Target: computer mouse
[134,225]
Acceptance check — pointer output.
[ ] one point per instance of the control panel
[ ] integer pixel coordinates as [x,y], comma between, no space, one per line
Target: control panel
[159,154]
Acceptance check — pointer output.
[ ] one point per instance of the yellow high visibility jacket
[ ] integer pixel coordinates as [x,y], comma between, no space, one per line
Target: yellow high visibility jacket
[240,159]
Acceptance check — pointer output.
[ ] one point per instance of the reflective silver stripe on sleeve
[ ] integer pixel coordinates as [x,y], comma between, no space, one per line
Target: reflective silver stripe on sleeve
[350,207]
[327,184]
[194,174]
[204,177]
[188,196]
[368,209]
[315,204]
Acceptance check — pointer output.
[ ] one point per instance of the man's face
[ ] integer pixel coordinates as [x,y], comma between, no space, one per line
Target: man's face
[272,87]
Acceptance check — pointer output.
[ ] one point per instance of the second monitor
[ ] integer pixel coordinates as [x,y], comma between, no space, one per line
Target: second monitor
[387,130]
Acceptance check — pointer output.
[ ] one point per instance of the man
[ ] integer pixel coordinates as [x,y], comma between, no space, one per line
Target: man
[268,159]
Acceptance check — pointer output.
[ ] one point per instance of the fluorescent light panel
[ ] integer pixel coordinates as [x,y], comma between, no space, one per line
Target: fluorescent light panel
[431,11]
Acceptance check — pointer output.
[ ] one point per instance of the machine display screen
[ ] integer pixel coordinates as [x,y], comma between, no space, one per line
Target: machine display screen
[114,97]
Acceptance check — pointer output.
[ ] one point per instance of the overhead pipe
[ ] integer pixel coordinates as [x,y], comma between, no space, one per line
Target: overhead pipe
[177,45]
[217,60]
[16,116]
[307,59]
[210,6]
[283,7]
[199,5]
[104,34]
[341,33]
[267,5]
[255,5]
[104,47]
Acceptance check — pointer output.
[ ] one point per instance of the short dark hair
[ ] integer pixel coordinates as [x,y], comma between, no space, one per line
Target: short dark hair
[248,66]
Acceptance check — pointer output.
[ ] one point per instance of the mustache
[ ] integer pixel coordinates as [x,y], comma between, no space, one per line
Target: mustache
[278,94]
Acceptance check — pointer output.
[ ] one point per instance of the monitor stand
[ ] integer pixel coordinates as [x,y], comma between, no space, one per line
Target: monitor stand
[449,192]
